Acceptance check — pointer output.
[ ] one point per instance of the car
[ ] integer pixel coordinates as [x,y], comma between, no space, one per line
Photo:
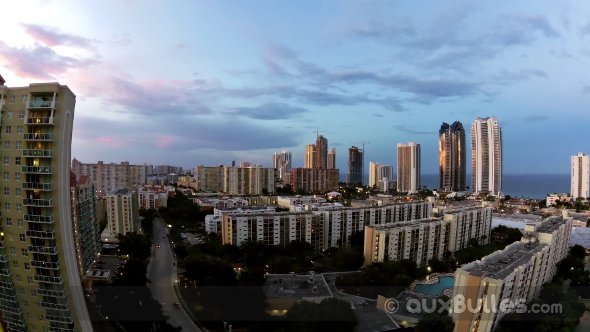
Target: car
[176,305]
[158,246]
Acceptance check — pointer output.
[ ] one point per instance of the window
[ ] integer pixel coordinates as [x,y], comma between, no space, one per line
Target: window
[17,192]
[17,176]
[19,222]
[33,292]
[11,99]
[27,266]
[6,191]
[6,175]
[8,129]
[21,237]
[19,207]
[21,114]
[7,144]
[19,145]
[24,98]
[13,250]
[19,129]
[9,115]
[18,277]
[15,264]
[7,206]
[17,160]
[8,221]
[24,252]
[30,279]
[6,160]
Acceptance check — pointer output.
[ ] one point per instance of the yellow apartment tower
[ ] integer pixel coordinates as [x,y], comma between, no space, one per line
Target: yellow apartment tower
[40,286]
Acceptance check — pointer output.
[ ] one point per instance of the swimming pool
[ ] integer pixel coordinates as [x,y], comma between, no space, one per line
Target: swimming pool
[436,289]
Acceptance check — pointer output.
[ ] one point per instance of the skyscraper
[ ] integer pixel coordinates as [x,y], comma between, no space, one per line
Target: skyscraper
[580,176]
[452,162]
[355,166]
[379,172]
[40,287]
[310,157]
[332,159]
[486,156]
[408,167]
[321,152]
[282,162]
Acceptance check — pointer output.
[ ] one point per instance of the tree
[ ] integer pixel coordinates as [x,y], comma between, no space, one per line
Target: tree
[329,315]
[135,245]
[348,259]
[578,252]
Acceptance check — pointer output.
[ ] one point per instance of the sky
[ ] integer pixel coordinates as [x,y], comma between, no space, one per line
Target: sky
[207,82]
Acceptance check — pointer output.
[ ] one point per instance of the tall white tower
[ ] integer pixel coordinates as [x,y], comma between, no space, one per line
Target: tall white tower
[486,156]
[580,176]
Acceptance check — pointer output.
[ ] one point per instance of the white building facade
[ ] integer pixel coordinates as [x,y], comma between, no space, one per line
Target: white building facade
[486,156]
[580,185]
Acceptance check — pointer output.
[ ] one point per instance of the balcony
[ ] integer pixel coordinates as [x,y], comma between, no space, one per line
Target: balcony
[37,202]
[55,306]
[60,294]
[36,186]
[40,103]
[42,250]
[39,121]
[59,319]
[48,279]
[45,265]
[36,169]
[3,259]
[60,329]
[38,137]
[4,272]
[40,234]
[37,153]
[38,218]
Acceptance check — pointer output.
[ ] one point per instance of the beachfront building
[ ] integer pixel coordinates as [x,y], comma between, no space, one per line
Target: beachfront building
[486,156]
[516,273]
[408,167]
[580,184]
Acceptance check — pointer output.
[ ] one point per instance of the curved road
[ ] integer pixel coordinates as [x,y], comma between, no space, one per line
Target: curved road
[162,274]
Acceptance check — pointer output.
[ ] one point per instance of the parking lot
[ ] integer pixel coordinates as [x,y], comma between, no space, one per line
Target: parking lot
[111,263]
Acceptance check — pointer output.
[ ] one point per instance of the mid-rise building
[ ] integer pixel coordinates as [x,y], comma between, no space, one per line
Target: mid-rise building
[310,156]
[486,156]
[355,166]
[562,197]
[122,214]
[249,180]
[152,197]
[580,176]
[408,167]
[111,177]
[452,160]
[380,176]
[332,159]
[314,180]
[323,228]
[514,274]
[40,288]
[282,162]
[321,152]
[287,202]
[213,221]
[209,179]
[84,222]
[221,203]
[421,240]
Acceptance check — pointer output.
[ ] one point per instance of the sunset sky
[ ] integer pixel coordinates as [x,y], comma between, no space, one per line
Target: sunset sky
[208,82]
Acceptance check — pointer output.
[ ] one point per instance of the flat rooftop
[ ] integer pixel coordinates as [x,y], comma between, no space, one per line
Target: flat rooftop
[549,225]
[405,223]
[295,286]
[500,264]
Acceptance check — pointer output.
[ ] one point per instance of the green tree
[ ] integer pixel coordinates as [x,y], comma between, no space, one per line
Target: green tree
[328,315]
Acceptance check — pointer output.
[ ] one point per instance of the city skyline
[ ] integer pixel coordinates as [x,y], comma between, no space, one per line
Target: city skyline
[363,71]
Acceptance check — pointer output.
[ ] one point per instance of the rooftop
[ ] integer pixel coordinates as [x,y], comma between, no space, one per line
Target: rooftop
[549,225]
[295,286]
[405,224]
[500,264]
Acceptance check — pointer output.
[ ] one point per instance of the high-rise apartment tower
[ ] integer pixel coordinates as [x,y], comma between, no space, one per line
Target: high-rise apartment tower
[452,161]
[486,156]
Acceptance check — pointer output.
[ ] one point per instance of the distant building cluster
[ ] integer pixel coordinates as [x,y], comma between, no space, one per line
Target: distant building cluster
[153,197]
[110,177]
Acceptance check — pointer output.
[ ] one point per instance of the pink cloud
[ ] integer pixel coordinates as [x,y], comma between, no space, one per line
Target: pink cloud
[52,37]
[112,141]
[164,141]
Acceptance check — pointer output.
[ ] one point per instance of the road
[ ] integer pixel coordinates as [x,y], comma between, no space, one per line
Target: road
[162,274]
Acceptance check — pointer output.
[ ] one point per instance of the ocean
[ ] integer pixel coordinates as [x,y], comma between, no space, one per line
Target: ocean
[518,185]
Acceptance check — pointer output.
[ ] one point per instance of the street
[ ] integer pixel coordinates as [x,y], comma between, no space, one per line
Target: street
[162,274]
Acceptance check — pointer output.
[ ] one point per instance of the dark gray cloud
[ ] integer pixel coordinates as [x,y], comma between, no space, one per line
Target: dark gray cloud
[408,130]
[535,118]
[270,111]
